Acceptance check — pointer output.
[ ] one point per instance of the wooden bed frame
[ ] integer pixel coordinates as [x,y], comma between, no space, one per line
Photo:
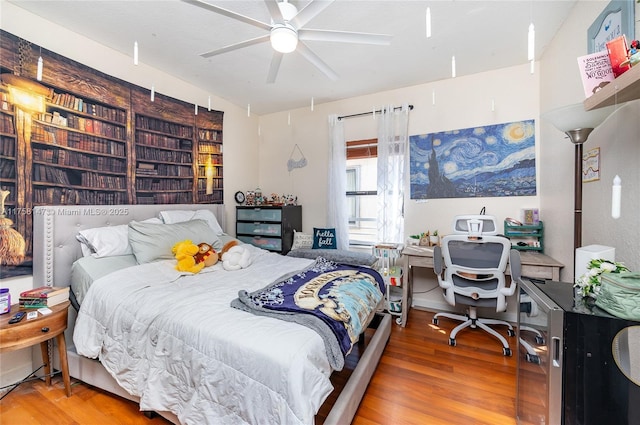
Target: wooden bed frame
[55,250]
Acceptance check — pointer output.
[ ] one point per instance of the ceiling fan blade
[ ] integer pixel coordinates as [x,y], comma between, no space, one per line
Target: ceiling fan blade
[229,14]
[274,67]
[236,46]
[310,11]
[316,61]
[274,10]
[344,37]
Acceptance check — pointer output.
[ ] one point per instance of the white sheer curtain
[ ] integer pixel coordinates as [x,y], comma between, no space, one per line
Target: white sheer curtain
[337,208]
[393,146]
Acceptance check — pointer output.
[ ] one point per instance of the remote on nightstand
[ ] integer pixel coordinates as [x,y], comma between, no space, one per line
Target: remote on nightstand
[17,317]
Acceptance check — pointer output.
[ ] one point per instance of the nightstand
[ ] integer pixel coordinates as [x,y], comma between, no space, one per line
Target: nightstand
[39,330]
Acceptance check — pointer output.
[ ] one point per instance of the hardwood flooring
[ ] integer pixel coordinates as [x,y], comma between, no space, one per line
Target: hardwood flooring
[420,380]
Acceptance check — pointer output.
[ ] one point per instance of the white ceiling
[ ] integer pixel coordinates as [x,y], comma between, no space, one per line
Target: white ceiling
[483,35]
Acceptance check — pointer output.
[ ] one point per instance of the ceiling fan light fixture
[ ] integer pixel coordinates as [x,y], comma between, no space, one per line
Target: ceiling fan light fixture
[284,38]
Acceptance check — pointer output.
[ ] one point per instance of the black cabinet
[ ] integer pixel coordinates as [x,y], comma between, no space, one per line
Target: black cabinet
[268,227]
[568,370]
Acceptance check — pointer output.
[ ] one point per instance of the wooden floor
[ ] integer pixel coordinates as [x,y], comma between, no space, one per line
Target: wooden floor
[420,380]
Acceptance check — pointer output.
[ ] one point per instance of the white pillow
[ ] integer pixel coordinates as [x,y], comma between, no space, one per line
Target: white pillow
[302,240]
[178,216]
[106,241]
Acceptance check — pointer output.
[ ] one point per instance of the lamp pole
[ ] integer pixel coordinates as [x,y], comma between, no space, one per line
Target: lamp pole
[578,137]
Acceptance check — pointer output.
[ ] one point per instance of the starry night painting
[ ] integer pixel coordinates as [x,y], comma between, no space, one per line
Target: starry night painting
[489,161]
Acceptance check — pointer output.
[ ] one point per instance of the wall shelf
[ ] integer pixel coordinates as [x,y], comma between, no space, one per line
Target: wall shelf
[628,88]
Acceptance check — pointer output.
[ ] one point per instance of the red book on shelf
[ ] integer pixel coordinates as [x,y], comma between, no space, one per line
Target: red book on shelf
[618,55]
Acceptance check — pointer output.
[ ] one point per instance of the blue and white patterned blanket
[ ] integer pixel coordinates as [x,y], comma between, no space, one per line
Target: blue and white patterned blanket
[335,300]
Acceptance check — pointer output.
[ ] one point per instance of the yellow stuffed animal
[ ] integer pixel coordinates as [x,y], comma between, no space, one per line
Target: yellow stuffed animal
[185,252]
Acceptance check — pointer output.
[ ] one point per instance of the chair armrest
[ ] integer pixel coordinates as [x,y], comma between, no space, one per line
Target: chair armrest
[516,272]
[438,264]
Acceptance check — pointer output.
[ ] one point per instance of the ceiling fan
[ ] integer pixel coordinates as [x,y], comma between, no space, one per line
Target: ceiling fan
[287,33]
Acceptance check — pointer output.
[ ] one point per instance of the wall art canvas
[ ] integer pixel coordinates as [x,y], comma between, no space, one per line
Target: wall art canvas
[490,161]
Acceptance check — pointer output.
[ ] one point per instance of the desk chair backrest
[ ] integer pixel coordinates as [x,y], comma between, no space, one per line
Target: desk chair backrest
[475,270]
[475,225]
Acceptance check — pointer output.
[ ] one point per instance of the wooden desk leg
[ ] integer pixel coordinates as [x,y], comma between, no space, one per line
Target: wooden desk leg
[62,352]
[44,348]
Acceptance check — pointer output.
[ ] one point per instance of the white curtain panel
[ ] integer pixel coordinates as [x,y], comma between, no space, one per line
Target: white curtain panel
[393,147]
[337,208]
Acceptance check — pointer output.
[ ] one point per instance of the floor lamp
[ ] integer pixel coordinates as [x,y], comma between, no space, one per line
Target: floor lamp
[577,124]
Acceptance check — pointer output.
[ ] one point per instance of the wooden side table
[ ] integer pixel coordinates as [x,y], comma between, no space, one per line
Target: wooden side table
[39,330]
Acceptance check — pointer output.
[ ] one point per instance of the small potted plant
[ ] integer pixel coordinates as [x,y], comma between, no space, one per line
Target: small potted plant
[434,239]
[413,239]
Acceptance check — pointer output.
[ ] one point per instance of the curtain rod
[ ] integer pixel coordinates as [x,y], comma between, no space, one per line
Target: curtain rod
[371,112]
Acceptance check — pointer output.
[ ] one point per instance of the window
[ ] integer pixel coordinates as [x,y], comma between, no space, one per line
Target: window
[362,182]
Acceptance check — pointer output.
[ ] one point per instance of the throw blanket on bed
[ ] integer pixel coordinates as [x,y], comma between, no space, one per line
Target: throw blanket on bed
[335,300]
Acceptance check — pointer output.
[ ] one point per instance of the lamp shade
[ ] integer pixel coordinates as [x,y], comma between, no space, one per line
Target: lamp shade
[284,38]
[574,117]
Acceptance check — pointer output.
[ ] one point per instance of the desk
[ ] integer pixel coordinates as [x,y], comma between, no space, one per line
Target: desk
[534,264]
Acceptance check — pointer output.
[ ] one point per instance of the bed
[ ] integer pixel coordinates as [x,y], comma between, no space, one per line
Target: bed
[285,381]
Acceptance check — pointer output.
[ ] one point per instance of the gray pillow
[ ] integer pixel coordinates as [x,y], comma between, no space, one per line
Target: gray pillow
[152,242]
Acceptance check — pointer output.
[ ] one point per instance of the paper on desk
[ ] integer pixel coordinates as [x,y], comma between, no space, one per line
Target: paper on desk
[418,250]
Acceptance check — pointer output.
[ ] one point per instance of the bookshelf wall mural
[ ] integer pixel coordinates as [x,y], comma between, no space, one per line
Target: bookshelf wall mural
[81,137]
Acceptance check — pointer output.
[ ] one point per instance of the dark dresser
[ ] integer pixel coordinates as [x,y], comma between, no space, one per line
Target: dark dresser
[268,227]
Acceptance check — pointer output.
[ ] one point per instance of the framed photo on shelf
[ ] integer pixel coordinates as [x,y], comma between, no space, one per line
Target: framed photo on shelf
[615,20]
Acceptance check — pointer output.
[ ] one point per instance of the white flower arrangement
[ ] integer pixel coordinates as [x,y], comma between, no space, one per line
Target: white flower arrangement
[589,283]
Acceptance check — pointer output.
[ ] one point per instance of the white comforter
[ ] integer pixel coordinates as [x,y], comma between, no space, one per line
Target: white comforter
[175,342]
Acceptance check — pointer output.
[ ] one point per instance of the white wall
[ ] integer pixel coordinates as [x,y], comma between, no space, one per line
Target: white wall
[465,102]
[617,138]
[459,103]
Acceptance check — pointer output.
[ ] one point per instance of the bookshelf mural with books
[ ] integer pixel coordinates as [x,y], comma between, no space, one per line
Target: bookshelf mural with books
[92,139]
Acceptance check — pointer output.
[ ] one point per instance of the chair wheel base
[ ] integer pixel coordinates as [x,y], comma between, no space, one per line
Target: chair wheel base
[532,358]
[434,321]
[510,332]
[506,351]
[452,342]
[539,340]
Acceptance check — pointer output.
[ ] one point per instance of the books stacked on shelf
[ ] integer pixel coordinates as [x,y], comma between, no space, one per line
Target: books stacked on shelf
[7,169]
[6,124]
[71,102]
[44,296]
[146,169]
[8,146]
[208,135]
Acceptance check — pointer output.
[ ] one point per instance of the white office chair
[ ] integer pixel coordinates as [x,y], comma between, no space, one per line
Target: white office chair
[475,260]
